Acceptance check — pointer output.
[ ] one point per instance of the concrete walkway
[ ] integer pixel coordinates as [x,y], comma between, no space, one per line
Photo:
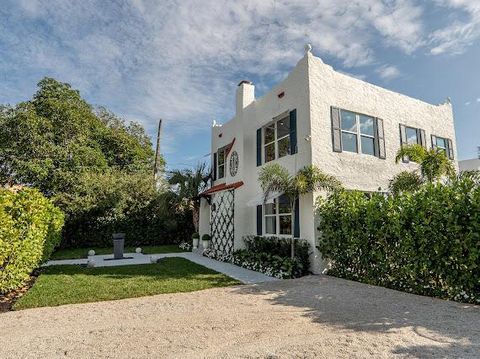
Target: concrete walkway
[243,275]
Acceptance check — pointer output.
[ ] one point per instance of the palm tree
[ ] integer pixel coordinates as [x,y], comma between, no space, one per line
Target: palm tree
[434,164]
[189,184]
[275,178]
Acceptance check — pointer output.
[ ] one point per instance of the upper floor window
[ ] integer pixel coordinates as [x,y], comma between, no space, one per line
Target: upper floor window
[358,133]
[278,216]
[221,161]
[443,144]
[276,139]
[411,136]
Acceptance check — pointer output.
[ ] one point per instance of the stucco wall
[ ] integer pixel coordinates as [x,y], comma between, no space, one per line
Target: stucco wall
[358,171]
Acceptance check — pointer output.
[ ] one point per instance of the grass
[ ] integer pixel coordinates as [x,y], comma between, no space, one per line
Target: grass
[76,253]
[68,284]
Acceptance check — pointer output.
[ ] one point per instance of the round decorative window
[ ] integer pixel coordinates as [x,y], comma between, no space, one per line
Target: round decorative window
[233,163]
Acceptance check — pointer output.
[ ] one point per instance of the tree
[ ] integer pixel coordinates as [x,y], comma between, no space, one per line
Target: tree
[275,178]
[189,183]
[434,165]
[93,165]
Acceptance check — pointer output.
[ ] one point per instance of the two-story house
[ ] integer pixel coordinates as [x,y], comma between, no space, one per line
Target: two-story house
[347,127]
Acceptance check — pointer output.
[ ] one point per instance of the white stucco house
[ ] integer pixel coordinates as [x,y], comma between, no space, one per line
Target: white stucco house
[347,127]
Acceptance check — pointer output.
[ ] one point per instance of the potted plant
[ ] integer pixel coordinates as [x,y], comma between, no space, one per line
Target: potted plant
[195,238]
[206,240]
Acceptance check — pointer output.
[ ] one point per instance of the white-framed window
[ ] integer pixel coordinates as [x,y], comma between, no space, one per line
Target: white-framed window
[358,133]
[276,139]
[278,217]
[221,161]
[412,136]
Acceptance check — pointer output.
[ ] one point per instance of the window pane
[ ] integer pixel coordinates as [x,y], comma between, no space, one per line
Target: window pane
[283,127]
[283,204]
[271,225]
[349,123]
[367,145]
[441,142]
[221,156]
[411,135]
[284,146]
[270,208]
[269,134]
[221,171]
[285,224]
[349,142]
[366,125]
[270,152]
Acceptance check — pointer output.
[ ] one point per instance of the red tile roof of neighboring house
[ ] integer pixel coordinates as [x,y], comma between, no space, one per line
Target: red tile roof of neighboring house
[221,187]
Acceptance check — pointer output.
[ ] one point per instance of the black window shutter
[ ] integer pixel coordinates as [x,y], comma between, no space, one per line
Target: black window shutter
[259,147]
[215,166]
[423,138]
[450,149]
[434,141]
[380,139]
[259,220]
[296,220]
[403,141]
[336,130]
[293,132]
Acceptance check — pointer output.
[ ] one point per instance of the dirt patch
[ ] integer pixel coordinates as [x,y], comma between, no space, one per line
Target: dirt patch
[8,300]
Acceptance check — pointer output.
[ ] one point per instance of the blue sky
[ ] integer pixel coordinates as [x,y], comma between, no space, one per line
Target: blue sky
[181,60]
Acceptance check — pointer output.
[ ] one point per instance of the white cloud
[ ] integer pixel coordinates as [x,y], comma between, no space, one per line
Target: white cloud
[456,37]
[388,72]
[467,103]
[478,99]
[181,60]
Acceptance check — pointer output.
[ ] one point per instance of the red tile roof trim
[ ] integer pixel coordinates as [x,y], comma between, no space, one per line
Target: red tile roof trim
[221,187]
[230,146]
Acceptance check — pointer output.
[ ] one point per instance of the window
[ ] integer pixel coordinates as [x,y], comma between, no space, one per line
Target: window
[358,133]
[412,136]
[442,144]
[221,154]
[278,216]
[276,139]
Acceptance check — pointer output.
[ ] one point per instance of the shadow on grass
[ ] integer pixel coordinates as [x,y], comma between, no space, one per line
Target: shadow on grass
[452,328]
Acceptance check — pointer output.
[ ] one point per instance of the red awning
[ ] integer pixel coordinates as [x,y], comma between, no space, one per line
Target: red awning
[221,187]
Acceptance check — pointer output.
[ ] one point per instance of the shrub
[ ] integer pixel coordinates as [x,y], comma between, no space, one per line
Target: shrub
[426,242]
[30,229]
[206,237]
[269,255]
[195,235]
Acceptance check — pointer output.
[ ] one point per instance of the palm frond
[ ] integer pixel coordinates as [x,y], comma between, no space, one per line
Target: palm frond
[415,153]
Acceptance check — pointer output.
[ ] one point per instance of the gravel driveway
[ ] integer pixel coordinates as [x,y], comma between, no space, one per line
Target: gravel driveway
[316,316]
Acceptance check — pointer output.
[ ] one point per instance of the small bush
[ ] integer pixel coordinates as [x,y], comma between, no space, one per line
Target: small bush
[30,229]
[269,255]
[426,242]
[206,237]
[195,235]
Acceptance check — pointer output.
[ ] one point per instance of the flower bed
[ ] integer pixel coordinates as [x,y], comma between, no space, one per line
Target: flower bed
[269,255]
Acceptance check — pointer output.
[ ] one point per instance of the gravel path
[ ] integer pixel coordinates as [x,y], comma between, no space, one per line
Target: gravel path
[316,316]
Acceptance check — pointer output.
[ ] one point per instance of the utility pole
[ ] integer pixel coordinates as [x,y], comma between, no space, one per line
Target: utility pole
[156,165]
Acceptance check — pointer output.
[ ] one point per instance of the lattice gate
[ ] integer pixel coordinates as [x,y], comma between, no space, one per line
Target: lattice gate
[221,221]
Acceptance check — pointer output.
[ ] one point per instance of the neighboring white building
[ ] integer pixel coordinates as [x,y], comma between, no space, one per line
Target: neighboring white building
[347,127]
[469,165]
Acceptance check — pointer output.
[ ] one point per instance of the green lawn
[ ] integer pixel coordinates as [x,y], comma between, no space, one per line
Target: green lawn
[69,284]
[76,253]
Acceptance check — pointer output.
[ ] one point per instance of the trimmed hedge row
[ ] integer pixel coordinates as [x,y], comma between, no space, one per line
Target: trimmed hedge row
[30,229]
[426,242]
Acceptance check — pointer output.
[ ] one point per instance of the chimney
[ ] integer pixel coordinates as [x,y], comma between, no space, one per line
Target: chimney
[245,95]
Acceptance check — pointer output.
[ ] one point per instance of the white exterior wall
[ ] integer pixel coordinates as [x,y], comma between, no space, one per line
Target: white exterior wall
[469,165]
[312,88]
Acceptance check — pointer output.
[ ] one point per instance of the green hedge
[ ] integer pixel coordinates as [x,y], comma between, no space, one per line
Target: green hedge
[30,229]
[426,242]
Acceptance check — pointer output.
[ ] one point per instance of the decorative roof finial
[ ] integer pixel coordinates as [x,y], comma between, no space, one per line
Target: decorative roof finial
[308,48]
